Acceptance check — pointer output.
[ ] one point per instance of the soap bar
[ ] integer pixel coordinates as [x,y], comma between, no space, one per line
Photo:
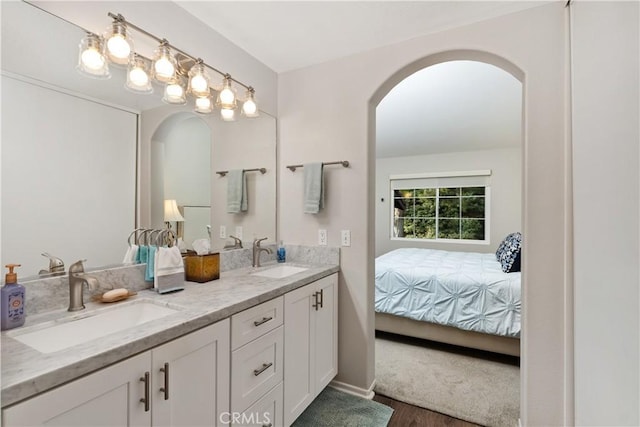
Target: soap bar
[115,294]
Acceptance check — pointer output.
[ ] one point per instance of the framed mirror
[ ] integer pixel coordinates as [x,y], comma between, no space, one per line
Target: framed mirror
[77,158]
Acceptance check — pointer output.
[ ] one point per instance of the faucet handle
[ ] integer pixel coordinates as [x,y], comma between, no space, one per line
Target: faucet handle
[256,242]
[77,267]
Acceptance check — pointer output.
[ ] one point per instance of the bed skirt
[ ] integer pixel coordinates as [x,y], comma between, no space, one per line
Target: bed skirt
[447,334]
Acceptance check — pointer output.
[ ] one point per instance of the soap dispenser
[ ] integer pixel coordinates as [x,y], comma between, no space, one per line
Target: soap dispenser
[281,252]
[12,300]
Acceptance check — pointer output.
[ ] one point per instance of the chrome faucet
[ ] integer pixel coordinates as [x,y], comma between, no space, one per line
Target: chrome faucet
[77,279]
[257,250]
[237,243]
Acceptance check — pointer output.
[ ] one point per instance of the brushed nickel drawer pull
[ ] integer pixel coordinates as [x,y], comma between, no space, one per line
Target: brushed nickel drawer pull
[321,298]
[145,399]
[265,366]
[264,320]
[165,389]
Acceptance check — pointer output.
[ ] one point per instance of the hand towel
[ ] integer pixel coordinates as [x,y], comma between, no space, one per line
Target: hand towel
[131,256]
[236,191]
[313,188]
[149,272]
[143,253]
[169,270]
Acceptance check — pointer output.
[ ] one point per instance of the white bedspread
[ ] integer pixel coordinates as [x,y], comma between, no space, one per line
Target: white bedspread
[462,289]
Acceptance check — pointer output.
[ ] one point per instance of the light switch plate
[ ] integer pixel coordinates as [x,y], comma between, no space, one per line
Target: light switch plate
[239,232]
[322,237]
[345,238]
[223,232]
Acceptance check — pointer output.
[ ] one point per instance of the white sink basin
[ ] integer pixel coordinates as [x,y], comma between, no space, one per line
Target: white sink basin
[54,336]
[280,272]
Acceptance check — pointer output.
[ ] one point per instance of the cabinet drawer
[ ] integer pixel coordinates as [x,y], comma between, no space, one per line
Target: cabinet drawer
[266,412]
[255,321]
[256,368]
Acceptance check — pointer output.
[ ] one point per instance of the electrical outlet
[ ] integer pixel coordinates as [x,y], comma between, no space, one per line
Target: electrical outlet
[239,232]
[322,237]
[223,232]
[345,238]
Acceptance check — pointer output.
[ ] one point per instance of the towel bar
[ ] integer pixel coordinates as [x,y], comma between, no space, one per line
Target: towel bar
[261,170]
[344,163]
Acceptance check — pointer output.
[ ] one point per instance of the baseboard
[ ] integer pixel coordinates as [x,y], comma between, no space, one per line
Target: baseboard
[356,391]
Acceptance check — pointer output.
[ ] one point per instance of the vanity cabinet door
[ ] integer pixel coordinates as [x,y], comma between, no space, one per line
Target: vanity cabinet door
[109,397]
[191,378]
[310,343]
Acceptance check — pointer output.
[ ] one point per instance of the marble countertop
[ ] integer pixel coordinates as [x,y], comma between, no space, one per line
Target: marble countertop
[27,372]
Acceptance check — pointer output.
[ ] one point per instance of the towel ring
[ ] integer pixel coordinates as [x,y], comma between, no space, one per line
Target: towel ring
[136,236]
[151,238]
[143,238]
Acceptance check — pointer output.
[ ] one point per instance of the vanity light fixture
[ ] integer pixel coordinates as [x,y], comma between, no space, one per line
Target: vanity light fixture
[181,73]
[119,44]
[91,59]
[198,80]
[249,106]
[204,104]
[228,114]
[138,79]
[227,95]
[174,92]
[164,64]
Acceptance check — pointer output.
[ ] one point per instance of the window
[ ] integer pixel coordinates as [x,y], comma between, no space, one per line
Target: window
[454,208]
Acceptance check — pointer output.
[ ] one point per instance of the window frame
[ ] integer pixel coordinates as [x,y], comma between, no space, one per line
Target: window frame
[430,180]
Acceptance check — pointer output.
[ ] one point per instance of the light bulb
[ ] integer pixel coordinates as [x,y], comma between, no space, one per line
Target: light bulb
[175,90]
[138,77]
[227,114]
[199,83]
[249,107]
[92,59]
[203,102]
[227,96]
[118,47]
[164,68]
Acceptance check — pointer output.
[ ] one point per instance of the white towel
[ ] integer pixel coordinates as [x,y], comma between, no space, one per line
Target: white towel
[313,188]
[236,192]
[168,270]
[130,257]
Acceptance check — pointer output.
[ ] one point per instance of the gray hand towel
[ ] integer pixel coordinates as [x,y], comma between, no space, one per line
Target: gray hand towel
[313,188]
[236,192]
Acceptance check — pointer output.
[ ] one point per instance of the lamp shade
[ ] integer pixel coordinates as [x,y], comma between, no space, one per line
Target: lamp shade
[171,212]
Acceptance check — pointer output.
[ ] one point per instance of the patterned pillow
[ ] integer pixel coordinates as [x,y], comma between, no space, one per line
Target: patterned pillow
[508,253]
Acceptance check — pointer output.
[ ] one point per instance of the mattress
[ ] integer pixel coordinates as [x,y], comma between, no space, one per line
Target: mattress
[466,290]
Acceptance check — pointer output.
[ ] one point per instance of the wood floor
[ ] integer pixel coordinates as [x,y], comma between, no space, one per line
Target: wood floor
[405,415]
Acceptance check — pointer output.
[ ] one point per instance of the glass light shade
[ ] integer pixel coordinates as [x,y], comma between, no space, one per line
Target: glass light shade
[174,93]
[138,79]
[91,59]
[198,80]
[228,114]
[164,64]
[249,107]
[119,44]
[227,96]
[204,105]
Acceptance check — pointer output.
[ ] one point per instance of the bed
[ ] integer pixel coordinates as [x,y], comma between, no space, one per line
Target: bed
[461,298]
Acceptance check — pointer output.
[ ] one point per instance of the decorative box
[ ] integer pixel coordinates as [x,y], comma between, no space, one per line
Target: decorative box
[202,268]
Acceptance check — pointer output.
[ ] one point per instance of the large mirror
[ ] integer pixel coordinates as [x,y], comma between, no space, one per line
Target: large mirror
[84,162]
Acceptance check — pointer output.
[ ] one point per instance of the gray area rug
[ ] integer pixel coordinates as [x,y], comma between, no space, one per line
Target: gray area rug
[472,389]
[334,408]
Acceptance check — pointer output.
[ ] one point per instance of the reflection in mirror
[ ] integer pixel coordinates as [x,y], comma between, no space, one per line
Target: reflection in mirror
[74,148]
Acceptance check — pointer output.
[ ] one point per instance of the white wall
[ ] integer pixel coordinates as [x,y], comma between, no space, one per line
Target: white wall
[505,182]
[327,113]
[605,48]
